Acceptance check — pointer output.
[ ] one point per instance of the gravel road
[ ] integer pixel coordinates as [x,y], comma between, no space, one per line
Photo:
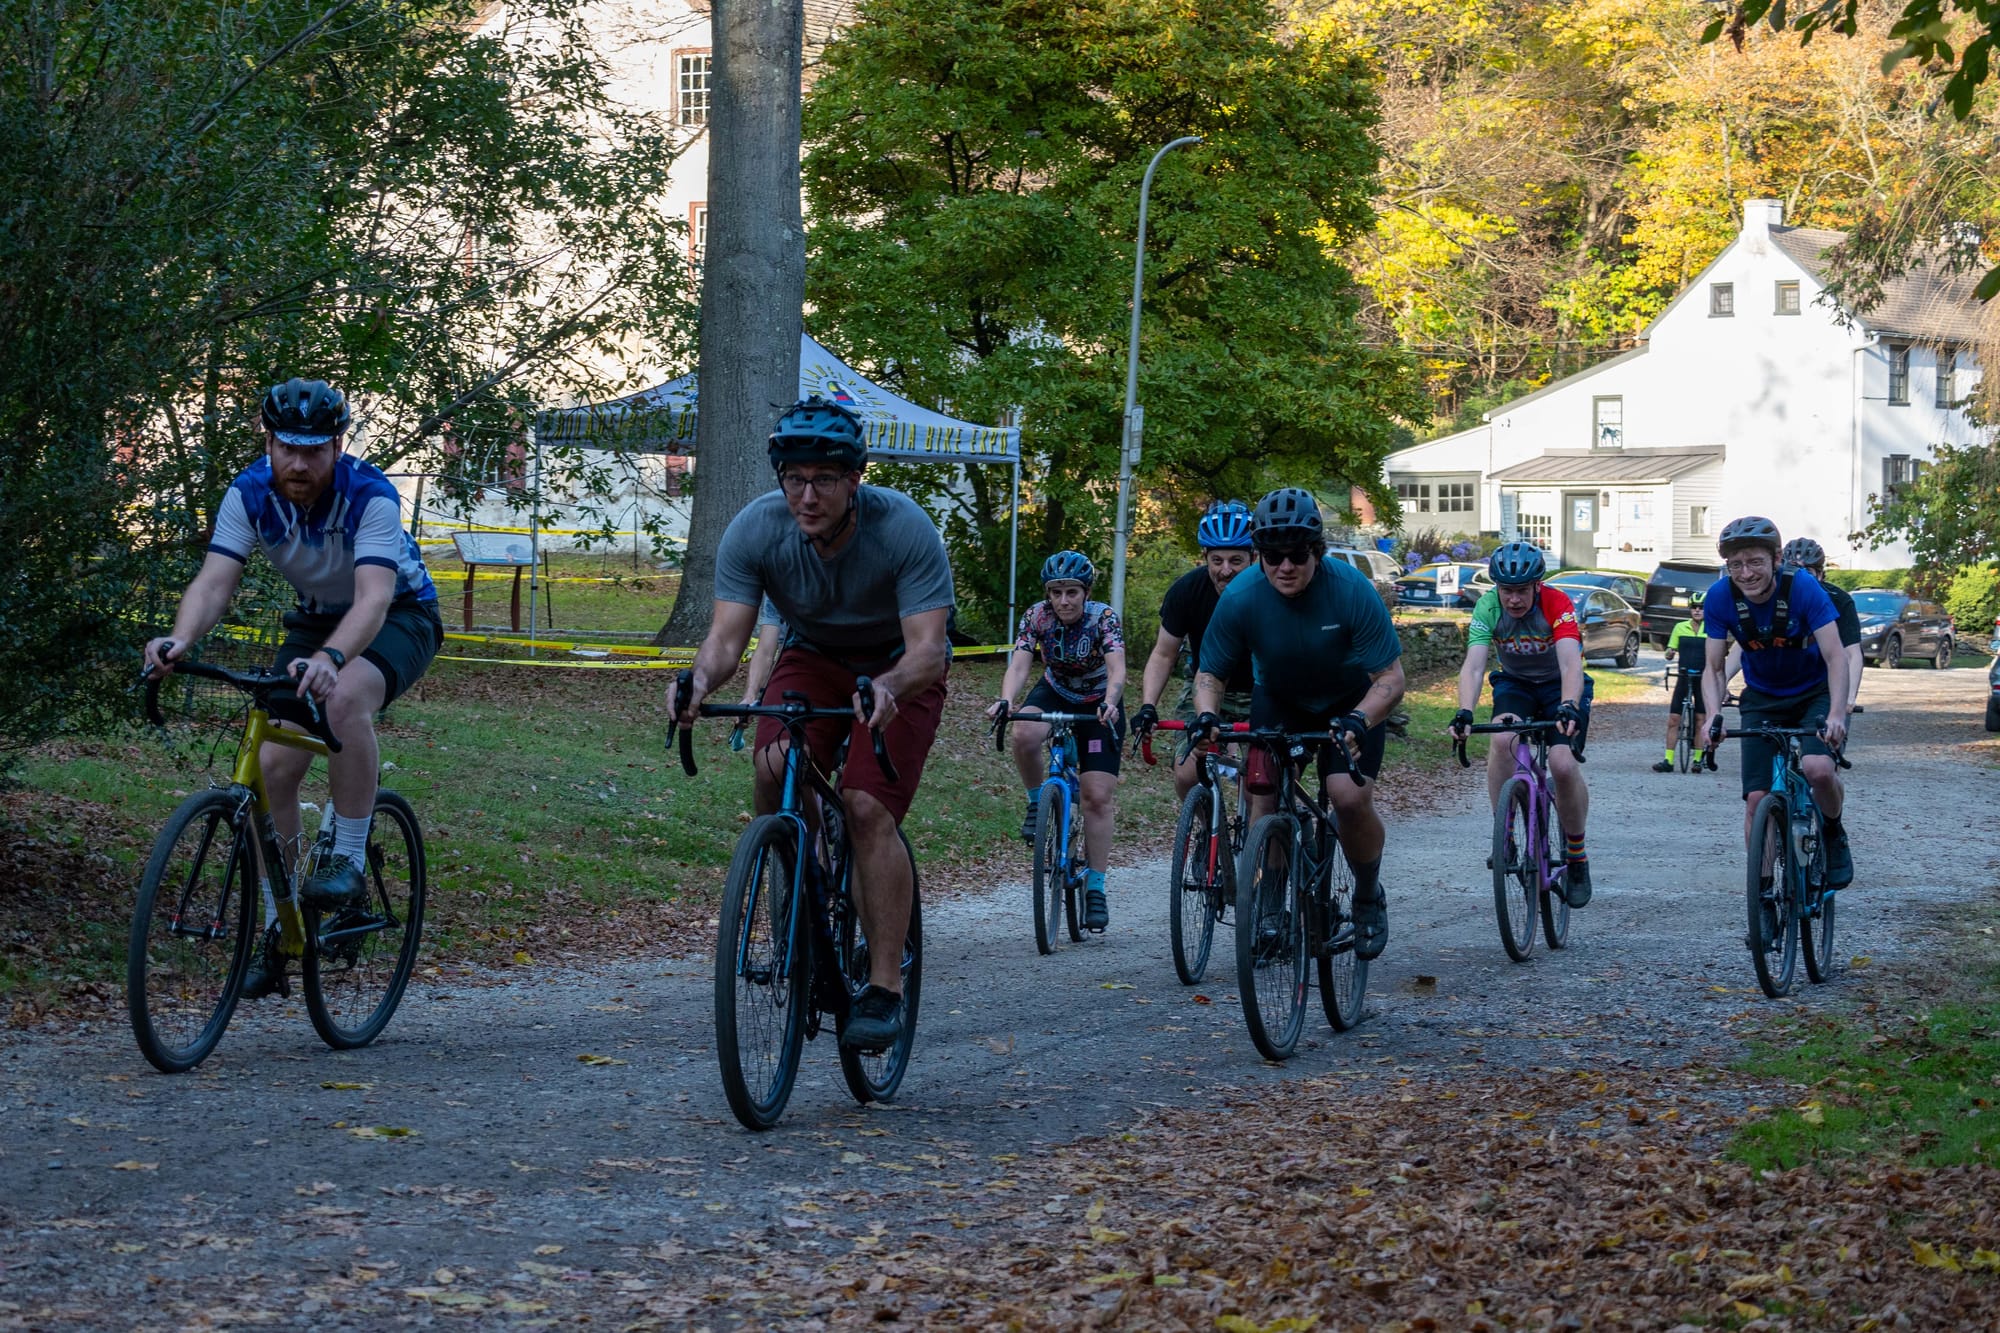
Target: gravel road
[132,1198]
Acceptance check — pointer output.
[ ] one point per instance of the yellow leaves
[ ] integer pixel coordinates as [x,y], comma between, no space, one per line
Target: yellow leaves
[1744,1286]
[1936,1256]
[382,1132]
[1236,1323]
[600,1060]
[1812,1112]
[1116,985]
[1745,1310]
[1106,1236]
[521,958]
[1095,1212]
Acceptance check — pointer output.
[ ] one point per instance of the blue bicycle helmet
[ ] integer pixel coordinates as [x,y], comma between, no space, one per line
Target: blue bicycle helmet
[1225,527]
[1517,563]
[816,430]
[1288,517]
[1074,565]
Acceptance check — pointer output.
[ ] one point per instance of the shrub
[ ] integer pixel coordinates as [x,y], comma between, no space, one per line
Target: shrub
[1972,599]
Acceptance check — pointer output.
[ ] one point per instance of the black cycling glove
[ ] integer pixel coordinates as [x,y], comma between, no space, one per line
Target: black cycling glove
[1570,712]
[1207,726]
[1351,732]
[1462,718]
[1145,720]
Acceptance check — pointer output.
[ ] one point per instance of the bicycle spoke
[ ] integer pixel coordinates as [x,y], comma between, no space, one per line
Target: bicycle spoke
[361,958]
[191,932]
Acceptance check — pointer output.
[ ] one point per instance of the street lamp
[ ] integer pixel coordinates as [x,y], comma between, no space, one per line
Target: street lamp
[1128,452]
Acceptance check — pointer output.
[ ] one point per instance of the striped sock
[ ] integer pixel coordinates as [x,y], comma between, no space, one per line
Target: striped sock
[1573,847]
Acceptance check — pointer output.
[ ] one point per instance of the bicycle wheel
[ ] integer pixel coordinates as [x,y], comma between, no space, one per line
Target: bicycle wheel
[873,1076]
[1198,858]
[1051,874]
[191,932]
[359,960]
[1684,751]
[1271,939]
[1816,927]
[1774,917]
[1516,871]
[763,974]
[1554,907]
[1343,978]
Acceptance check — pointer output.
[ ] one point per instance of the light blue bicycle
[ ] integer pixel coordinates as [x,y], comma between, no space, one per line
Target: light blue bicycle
[1059,863]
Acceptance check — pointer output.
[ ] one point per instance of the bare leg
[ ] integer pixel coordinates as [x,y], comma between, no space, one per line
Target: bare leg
[350,715]
[1828,792]
[882,887]
[1099,805]
[1499,765]
[1361,833]
[1572,793]
[1028,738]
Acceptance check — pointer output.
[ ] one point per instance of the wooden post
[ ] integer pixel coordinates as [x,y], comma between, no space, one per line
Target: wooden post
[469,567]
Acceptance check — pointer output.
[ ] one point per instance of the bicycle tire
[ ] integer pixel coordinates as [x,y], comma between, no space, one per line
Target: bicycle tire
[370,953]
[1554,907]
[759,1057]
[1774,918]
[1191,904]
[180,995]
[1270,938]
[1684,751]
[1343,977]
[1516,876]
[874,1076]
[1051,876]
[1816,928]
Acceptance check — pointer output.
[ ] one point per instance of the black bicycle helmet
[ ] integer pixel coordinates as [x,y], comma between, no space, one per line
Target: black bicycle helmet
[1286,517]
[1516,563]
[1803,553]
[1074,565]
[1751,531]
[1697,597]
[1225,527]
[305,412]
[817,430]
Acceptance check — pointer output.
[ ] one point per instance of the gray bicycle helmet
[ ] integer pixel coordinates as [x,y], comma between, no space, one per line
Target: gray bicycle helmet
[1517,563]
[1074,565]
[1803,553]
[305,412]
[817,430]
[1750,531]
[1287,517]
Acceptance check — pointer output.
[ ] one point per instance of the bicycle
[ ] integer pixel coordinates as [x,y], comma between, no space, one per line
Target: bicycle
[1527,859]
[1207,840]
[1059,861]
[1688,739]
[1294,901]
[193,926]
[789,948]
[1785,889]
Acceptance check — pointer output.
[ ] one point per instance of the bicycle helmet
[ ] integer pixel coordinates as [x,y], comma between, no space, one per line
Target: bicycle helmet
[818,430]
[1225,527]
[1696,598]
[1803,553]
[1751,531]
[1517,563]
[1074,565]
[1287,517]
[305,412]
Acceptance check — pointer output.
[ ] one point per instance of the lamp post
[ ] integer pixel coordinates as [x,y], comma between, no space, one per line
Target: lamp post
[1128,451]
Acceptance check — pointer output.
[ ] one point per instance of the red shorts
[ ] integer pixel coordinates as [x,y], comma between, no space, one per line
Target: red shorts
[827,684]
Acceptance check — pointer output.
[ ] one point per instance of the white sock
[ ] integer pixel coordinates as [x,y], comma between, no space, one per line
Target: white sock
[350,838]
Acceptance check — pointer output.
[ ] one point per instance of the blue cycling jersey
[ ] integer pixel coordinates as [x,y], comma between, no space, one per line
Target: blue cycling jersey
[357,520]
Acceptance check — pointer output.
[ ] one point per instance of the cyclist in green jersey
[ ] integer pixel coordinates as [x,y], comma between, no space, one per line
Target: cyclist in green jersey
[1687,644]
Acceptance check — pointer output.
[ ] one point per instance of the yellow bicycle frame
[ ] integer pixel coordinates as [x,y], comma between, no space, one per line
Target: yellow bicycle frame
[258,731]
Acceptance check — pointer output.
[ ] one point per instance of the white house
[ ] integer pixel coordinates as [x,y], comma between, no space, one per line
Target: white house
[1747,395]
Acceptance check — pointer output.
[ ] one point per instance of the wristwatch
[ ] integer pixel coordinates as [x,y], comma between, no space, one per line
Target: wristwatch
[338,658]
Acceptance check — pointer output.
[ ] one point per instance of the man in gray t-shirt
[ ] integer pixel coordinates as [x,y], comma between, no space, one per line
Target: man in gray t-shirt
[860,576]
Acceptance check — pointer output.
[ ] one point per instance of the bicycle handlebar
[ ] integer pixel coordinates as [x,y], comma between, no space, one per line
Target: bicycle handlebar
[1545,726]
[1175,724]
[789,710]
[1771,733]
[1053,719]
[260,684]
[1273,737]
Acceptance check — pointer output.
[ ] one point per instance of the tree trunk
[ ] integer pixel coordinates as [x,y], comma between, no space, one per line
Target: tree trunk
[753,281]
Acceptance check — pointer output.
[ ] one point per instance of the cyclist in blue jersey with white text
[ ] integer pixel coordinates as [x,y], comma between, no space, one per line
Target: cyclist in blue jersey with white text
[365,629]
[1794,673]
[1325,656]
[1082,648]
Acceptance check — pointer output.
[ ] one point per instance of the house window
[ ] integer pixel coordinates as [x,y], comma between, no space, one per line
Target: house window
[1697,520]
[697,231]
[1539,529]
[1899,373]
[1454,497]
[1607,423]
[1898,471]
[1947,377]
[1721,299]
[1415,495]
[691,70]
[1788,298]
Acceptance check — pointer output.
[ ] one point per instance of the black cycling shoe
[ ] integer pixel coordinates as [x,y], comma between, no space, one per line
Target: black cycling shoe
[266,973]
[1839,862]
[1096,912]
[1371,925]
[1664,766]
[1031,819]
[875,1023]
[335,885]
[1576,883]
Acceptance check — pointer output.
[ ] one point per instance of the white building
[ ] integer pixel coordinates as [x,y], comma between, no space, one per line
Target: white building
[1747,395]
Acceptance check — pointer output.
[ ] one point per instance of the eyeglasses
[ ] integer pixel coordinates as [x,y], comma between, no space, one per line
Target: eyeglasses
[1743,564]
[1296,555]
[795,483]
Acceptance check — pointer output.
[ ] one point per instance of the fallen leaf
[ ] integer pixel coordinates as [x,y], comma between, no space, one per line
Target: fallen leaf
[1931,1256]
[600,1060]
[347,1087]
[382,1132]
[131,1165]
[548,1249]
[1117,985]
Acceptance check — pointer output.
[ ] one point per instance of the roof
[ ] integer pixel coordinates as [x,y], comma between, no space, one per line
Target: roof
[1929,301]
[824,19]
[1565,382]
[1620,466]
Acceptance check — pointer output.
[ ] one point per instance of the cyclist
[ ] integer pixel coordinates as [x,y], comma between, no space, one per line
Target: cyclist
[1794,673]
[1807,554]
[1324,654]
[1686,645]
[1082,647]
[1184,615]
[365,629]
[1540,678]
[860,577]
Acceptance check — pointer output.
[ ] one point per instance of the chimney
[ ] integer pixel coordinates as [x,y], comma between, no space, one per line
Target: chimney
[1759,216]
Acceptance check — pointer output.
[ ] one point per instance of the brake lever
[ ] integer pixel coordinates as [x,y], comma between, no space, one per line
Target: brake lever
[1458,745]
[683,688]
[864,687]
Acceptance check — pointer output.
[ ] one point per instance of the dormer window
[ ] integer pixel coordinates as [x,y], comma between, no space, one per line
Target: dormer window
[1721,300]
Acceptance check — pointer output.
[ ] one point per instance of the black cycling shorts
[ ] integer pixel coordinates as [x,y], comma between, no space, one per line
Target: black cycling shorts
[1267,714]
[1537,701]
[402,649]
[1685,683]
[1098,747]
[1798,710]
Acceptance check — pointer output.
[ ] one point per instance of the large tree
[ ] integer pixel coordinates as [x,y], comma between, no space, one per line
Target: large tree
[972,176]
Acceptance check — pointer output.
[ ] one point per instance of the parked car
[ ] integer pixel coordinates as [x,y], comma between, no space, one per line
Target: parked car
[1629,586]
[1895,625]
[1377,568]
[1609,623]
[1993,696]
[1419,587]
[1668,594]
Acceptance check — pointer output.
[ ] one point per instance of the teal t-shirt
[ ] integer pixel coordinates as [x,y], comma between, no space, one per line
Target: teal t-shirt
[1313,653]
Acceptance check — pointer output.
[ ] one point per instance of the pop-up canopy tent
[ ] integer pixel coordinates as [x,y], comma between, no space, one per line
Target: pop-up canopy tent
[661,420]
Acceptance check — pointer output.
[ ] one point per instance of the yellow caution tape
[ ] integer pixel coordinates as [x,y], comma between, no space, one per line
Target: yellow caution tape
[553,532]
[553,662]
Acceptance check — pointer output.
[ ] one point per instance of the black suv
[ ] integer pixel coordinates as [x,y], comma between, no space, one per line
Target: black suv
[1668,595]
[1895,625]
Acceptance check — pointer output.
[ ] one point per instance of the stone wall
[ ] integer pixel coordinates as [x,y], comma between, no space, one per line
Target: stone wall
[1431,649]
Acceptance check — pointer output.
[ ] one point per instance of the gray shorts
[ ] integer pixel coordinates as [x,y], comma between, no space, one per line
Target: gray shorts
[410,637]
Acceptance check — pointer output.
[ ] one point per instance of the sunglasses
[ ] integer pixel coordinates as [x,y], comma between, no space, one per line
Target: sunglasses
[1300,556]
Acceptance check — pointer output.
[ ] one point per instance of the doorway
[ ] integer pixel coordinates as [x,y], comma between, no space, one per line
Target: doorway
[1579,546]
